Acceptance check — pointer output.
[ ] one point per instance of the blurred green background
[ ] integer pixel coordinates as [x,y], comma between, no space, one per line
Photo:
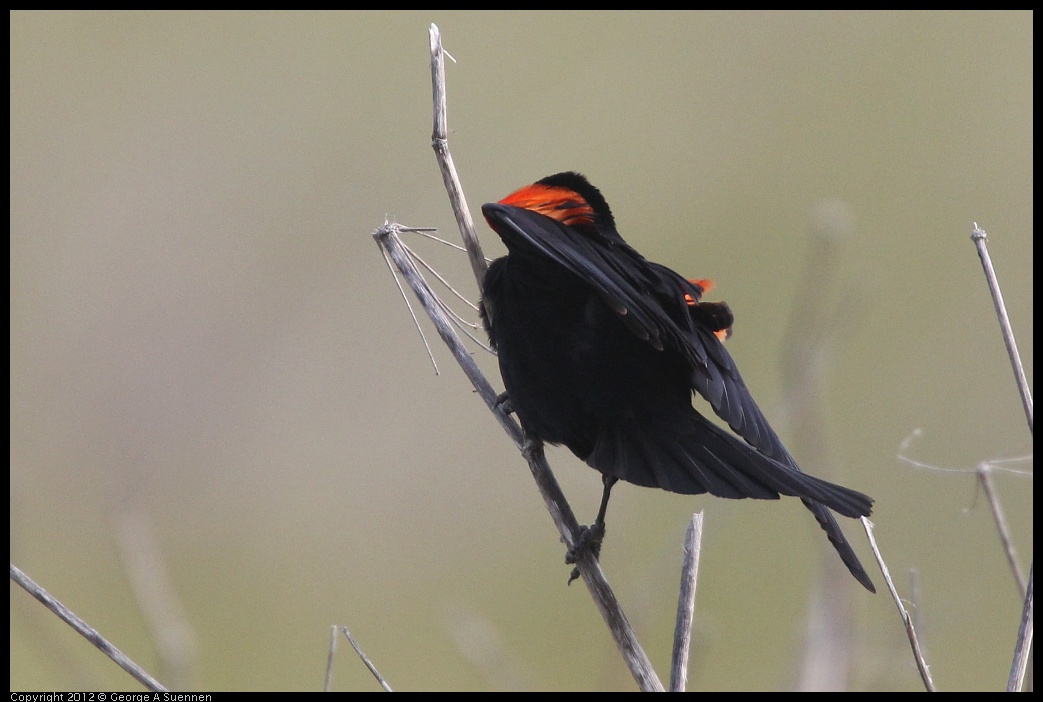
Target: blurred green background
[207,349]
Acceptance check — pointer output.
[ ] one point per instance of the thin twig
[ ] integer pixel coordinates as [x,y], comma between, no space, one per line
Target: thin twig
[553,498]
[390,243]
[369,664]
[998,515]
[440,143]
[450,244]
[995,464]
[980,238]
[328,686]
[85,630]
[449,286]
[461,323]
[686,604]
[1023,647]
[910,630]
[560,511]
[983,472]
[416,322]
[916,603]
[426,232]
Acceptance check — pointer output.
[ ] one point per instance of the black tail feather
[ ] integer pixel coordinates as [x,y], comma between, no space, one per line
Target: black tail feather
[691,455]
[836,537]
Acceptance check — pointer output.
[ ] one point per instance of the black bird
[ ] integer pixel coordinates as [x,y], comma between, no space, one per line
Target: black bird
[600,350]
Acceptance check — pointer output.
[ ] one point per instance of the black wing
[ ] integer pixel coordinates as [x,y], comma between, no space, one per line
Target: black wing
[650,299]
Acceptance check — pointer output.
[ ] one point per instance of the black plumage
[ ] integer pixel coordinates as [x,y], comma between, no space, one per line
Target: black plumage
[601,350]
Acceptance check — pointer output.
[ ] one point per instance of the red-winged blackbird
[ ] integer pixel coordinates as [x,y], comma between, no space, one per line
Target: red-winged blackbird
[600,350]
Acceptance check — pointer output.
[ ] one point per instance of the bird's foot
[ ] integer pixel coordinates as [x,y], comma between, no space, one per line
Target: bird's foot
[503,402]
[590,538]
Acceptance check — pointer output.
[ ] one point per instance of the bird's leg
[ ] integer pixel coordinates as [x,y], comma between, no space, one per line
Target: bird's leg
[590,537]
[609,481]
